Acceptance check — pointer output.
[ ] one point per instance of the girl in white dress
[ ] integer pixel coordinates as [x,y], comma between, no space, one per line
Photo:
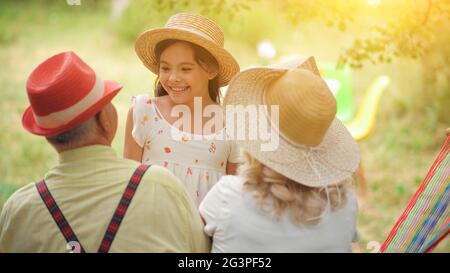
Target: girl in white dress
[295,198]
[191,64]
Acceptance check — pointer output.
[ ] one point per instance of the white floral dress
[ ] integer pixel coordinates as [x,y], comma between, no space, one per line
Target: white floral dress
[198,163]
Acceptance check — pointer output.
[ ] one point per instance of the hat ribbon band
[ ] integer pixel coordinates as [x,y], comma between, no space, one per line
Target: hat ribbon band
[311,160]
[63,117]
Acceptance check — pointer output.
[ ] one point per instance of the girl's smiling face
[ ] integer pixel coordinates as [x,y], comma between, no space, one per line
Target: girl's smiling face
[181,76]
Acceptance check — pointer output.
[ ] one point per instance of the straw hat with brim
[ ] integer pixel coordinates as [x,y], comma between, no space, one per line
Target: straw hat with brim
[192,28]
[315,149]
[64,92]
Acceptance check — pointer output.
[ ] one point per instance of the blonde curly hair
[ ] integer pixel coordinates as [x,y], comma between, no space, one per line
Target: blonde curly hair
[306,204]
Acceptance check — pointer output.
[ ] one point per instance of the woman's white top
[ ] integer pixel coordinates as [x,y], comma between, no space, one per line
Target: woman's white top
[198,161]
[237,224]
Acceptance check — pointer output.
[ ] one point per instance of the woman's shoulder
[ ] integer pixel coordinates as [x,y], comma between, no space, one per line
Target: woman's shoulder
[352,200]
[225,192]
[350,207]
[231,183]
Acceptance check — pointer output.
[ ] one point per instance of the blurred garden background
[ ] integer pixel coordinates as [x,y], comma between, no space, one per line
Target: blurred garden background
[405,40]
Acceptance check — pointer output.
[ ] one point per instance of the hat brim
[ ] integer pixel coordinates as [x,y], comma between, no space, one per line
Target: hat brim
[147,41]
[331,162]
[111,89]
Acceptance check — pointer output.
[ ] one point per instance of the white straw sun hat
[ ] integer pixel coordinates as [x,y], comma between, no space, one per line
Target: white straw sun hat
[315,148]
[192,28]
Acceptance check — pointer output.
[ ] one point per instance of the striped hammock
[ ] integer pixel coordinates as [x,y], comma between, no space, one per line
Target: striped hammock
[427,212]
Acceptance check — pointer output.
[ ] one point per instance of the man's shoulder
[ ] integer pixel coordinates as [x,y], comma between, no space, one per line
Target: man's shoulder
[162,177]
[155,174]
[24,197]
[163,187]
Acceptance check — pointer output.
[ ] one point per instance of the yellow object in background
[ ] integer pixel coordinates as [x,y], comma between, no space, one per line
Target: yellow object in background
[363,123]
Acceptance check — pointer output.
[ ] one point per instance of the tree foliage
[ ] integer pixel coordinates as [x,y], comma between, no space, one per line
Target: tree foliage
[407,28]
[417,29]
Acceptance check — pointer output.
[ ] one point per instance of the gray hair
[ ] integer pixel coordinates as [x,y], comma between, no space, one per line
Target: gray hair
[74,136]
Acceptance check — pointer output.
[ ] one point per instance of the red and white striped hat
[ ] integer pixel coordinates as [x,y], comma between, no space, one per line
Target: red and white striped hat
[64,92]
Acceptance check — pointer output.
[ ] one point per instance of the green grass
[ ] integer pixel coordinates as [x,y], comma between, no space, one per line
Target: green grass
[395,158]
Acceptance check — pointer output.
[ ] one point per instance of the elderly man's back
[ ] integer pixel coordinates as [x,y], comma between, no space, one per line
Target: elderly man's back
[88,184]
[91,197]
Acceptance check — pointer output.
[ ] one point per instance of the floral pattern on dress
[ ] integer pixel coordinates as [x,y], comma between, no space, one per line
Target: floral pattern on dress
[199,164]
[144,120]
